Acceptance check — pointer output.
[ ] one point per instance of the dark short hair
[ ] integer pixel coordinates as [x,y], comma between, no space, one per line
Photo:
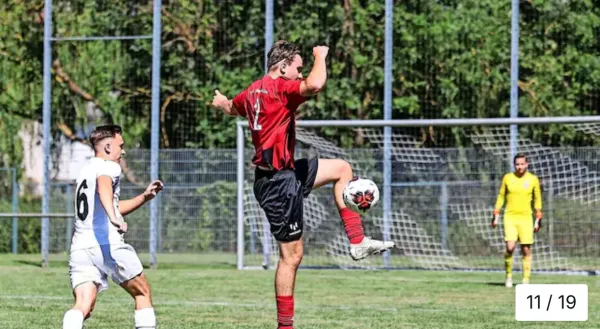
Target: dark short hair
[103,132]
[519,156]
[282,50]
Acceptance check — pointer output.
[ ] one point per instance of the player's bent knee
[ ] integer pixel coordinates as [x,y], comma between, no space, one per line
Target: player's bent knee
[85,306]
[293,259]
[137,286]
[144,287]
[345,169]
[296,259]
[144,290]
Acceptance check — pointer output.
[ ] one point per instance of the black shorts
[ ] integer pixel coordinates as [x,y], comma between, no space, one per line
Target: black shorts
[281,195]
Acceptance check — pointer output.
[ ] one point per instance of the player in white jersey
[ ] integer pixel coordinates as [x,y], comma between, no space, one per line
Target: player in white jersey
[97,248]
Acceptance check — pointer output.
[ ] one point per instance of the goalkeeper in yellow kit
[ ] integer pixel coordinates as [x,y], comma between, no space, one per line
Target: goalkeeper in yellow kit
[518,189]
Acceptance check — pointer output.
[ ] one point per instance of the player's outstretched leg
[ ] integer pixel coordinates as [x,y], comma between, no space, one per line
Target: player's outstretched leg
[508,263]
[339,172]
[85,299]
[526,248]
[139,289]
[290,256]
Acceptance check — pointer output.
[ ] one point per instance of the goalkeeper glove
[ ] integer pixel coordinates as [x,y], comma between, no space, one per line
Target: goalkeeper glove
[538,221]
[495,218]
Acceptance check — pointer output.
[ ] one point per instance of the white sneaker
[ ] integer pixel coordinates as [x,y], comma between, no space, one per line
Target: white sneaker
[508,283]
[369,247]
[525,281]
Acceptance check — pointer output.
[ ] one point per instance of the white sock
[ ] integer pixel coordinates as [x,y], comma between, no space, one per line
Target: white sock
[145,318]
[73,319]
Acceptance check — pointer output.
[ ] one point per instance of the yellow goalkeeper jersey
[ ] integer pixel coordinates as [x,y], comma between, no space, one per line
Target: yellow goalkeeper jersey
[518,193]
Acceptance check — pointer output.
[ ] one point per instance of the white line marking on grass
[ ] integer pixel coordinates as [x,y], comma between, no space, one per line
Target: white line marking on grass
[158,302]
[204,303]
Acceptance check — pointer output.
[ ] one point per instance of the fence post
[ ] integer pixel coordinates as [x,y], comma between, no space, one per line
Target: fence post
[156,44]
[514,79]
[47,103]
[387,131]
[268,29]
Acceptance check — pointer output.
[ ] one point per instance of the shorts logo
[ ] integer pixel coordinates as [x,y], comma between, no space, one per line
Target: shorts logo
[294,229]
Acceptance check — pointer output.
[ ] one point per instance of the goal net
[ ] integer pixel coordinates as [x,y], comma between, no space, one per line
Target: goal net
[444,184]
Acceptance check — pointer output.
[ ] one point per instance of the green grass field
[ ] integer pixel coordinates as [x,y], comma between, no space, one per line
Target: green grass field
[192,293]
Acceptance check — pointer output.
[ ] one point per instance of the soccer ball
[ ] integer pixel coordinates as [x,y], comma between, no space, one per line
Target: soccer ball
[361,195]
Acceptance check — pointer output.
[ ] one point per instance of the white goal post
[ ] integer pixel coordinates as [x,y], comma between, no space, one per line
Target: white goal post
[428,250]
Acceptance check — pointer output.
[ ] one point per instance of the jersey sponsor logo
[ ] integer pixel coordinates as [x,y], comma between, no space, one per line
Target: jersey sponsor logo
[259,91]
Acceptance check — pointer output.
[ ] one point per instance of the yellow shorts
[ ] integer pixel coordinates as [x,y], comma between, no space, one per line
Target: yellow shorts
[518,229]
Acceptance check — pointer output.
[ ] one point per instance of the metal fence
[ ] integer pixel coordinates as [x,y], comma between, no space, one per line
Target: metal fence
[450,199]
[9,202]
[271,7]
[423,73]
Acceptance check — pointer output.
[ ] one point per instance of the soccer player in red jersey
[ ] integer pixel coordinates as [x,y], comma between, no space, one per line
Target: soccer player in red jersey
[281,183]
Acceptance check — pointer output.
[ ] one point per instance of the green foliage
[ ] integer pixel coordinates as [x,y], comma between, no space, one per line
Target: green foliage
[21,75]
[202,221]
[451,60]
[29,228]
[218,218]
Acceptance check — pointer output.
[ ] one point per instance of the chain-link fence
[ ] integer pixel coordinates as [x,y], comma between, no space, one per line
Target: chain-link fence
[451,59]
[442,203]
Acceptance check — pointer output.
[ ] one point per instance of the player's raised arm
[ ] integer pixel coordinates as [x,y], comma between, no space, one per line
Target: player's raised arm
[221,102]
[105,192]
[128,206]
[318,75]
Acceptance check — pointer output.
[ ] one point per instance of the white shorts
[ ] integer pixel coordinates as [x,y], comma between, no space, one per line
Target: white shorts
[95,264]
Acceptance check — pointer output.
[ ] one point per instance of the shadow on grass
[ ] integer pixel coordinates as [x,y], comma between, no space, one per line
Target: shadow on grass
[39,263]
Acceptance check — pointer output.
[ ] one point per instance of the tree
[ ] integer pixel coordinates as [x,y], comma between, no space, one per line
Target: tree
[451,60]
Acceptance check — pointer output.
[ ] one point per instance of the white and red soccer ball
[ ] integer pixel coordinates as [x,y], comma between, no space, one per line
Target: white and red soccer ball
[361,195]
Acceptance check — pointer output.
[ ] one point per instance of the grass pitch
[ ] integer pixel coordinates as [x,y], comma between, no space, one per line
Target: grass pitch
[212,294]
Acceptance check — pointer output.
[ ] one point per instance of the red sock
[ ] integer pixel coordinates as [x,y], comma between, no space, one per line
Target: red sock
[285,312]
[353,225]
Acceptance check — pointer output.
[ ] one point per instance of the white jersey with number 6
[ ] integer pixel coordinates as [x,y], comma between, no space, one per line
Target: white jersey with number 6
[92,225]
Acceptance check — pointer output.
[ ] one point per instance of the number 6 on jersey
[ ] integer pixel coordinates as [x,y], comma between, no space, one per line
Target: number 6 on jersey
[82,202]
